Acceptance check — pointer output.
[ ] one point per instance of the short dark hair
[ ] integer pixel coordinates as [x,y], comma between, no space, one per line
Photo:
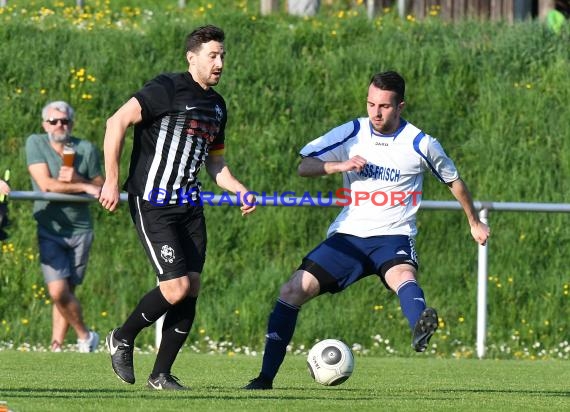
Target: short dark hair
[202,35]
[391,81]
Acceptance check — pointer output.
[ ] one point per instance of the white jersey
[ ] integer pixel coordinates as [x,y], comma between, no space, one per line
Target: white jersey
[384,197]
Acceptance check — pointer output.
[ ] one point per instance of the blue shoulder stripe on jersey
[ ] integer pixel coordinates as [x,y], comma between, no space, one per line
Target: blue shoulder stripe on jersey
[417,141]
[356,125]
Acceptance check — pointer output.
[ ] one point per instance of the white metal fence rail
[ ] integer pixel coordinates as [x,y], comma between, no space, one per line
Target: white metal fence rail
[483,207]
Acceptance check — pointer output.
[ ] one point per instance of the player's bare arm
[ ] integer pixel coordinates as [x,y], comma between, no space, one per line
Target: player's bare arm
[220,173]
[311,166]
[117,125]
[479,230]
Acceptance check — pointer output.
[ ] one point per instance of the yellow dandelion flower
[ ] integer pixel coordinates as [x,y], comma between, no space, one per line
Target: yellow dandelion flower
[4,322]
[72,86]
[209,5]
[47,302]
[461,319]
[18,90]
[546,322]
[43,91]
[528,86]
[510,279]
[236,312]
[378,307]
[34,286]
[333,33]
[25,321]
[104,314]
[202,331]
[231,353]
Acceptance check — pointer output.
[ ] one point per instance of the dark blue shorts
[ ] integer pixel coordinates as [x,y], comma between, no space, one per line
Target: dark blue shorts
[342,259]
[173,236]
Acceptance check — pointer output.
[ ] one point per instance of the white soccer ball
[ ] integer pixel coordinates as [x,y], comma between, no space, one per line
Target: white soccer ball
[330,362]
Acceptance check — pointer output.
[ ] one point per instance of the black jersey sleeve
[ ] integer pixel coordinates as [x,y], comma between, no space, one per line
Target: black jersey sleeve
[156,97]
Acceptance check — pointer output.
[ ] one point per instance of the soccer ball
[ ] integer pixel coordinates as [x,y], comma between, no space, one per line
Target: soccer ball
[330,362]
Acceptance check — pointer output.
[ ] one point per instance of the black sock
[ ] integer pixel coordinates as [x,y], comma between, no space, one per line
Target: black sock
[150,308]
[177,324]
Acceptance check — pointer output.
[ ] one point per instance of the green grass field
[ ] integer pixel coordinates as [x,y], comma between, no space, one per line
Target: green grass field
[71,381]
[495,94]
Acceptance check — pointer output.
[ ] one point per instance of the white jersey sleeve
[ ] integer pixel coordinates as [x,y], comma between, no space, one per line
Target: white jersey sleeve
[435,159]
[330,147]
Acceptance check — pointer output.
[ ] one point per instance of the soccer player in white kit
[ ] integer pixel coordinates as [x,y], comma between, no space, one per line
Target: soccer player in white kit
[382,158]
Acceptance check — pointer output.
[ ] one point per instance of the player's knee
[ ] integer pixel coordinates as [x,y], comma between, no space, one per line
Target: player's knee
[396,279]
[176,296]
[296,293]
[175,290]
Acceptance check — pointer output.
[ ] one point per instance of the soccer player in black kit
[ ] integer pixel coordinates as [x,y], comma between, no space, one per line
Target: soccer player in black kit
[179,126]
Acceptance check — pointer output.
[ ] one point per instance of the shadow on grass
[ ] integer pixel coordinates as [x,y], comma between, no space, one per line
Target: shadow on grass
[222,393]
[555,393]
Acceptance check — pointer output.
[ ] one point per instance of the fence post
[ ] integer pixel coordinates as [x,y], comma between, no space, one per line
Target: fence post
[269,6]
[482,273]
[402,8]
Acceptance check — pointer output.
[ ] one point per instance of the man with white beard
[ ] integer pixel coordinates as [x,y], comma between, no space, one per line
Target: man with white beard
[59,162]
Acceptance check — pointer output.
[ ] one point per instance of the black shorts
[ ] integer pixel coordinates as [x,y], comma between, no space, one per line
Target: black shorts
[173,236]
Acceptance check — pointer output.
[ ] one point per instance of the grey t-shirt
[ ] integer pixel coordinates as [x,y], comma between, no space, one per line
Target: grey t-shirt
[63,218]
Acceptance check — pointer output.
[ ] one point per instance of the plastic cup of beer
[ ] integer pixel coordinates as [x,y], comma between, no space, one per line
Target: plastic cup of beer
[68,155]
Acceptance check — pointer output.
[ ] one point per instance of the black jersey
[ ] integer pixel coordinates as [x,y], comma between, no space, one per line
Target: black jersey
[181,124]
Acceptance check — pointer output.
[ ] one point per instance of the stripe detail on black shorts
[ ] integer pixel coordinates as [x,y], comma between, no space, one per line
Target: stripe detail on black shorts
[146,239]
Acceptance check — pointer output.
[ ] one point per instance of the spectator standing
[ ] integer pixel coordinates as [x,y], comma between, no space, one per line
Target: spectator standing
[61,163]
